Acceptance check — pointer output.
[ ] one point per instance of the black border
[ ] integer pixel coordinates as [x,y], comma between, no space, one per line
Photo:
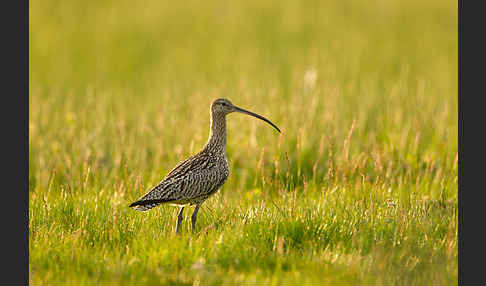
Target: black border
[471,82]
[14,118]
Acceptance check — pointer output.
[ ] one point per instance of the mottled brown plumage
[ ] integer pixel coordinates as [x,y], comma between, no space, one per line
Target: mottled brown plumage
[198,177]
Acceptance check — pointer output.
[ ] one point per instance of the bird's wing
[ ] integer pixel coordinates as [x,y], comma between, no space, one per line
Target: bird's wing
[191,164]
[171,187]
[179,168]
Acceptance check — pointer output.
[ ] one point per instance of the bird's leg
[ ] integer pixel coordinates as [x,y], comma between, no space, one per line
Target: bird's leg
[179,220]
[194,217]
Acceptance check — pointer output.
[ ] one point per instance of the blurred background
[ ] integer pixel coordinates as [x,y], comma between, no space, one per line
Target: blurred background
[114,78]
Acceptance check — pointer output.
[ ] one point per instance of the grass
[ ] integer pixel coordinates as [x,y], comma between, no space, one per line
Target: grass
[359,189]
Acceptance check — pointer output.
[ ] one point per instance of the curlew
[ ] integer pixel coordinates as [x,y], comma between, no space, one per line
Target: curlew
[195,179]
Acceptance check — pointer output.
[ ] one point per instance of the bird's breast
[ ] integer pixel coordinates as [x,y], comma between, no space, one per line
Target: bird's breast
[221,169]
[226,166]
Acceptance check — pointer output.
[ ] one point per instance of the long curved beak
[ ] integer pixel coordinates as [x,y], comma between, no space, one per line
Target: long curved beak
[241,110]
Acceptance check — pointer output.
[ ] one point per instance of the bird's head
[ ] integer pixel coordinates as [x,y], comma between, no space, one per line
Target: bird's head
[223,106]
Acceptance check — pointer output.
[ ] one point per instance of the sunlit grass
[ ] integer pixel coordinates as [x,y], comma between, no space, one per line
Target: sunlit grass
[360,188]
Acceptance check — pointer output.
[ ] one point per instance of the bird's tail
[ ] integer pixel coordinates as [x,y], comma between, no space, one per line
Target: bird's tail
[145,205]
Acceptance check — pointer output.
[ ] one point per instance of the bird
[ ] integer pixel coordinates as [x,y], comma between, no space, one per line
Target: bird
[195,179]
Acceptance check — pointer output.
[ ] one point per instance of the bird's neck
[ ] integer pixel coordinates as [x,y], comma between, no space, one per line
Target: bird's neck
[217,134]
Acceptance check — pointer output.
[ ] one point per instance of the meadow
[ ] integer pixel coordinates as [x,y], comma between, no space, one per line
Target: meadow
[360,188]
